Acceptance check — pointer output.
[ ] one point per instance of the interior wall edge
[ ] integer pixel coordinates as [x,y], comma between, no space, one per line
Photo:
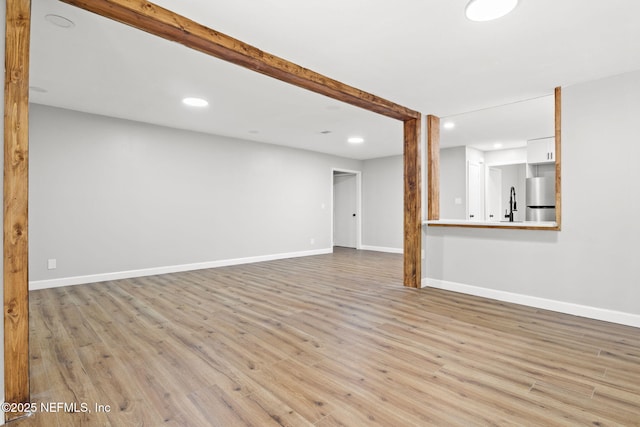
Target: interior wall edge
[628,319]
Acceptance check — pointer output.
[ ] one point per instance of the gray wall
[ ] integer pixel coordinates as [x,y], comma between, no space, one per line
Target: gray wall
[593,260]
[109,195]
[382,204]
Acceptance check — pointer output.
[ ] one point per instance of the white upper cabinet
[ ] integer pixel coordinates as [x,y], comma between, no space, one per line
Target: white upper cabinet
[541,151]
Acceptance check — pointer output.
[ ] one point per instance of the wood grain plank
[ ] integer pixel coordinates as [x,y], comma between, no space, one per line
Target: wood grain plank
[165,399]
[374,393]
[305,390]
[224,410]
[499,227]
[65,312]
[558,143]
[40,367]
[15,202]
[115,386]
[624,404]
[280,412]
[486,396]
[66,382]
[412,204]
[594,411]
[433,167]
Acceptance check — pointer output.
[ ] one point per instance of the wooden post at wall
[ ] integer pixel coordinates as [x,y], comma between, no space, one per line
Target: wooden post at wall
[433,165]
[16,179]
[558,141]
[412,204]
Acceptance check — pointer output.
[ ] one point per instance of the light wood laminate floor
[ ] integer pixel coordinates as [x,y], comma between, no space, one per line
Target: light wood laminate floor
[329,340]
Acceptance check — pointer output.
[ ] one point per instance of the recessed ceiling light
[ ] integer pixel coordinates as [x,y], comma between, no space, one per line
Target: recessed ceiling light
[488,10]
[59,21]
[449,125]
[355,140]
[195,102]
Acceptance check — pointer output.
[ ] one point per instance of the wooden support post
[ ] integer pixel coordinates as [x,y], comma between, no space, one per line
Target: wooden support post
[558,141]
[433,162]
[412,205]
[16,180]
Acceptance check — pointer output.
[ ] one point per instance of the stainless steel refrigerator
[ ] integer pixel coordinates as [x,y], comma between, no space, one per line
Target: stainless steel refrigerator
[541,199]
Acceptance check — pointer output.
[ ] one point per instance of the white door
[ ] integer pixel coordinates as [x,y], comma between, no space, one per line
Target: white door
[474,193]
[344,210]
[494,195]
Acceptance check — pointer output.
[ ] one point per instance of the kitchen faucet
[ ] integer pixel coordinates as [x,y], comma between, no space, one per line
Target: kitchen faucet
[512,204]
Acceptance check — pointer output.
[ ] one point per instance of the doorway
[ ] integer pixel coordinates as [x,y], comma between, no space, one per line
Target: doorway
[346,217]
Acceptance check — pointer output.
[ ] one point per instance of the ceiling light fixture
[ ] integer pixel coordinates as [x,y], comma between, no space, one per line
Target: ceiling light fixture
[60,21]
[449,125]
[488,10]
[195,102]
[497,145]
[355,140]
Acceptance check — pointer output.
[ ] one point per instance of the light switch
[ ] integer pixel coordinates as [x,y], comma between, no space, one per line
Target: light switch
[458,200]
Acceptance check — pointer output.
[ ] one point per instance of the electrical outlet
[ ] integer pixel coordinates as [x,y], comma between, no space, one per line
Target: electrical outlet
[312,241]
[51,264]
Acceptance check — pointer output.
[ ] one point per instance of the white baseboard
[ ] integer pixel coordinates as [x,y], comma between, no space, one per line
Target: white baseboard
[620,317]
[381,249]
[93,278]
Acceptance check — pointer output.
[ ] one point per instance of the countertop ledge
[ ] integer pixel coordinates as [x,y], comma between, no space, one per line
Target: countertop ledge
[492,224]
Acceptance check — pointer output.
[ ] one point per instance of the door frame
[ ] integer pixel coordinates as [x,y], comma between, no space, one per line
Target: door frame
[358,175]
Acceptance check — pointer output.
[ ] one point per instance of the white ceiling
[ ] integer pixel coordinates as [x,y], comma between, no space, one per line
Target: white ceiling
[423,54]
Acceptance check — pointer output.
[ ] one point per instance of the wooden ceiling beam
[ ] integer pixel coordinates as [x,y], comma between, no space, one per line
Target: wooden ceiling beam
[161,22]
